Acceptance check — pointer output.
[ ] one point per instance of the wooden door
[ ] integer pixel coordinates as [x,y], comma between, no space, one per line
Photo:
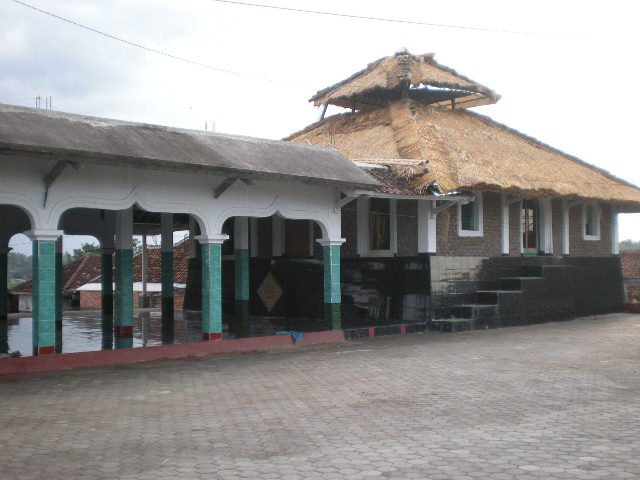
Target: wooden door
[529,222]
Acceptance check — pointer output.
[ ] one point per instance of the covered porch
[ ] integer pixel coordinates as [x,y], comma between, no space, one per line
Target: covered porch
[68,174]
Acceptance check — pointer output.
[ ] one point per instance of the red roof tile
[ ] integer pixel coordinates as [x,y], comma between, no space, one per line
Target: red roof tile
[630,263]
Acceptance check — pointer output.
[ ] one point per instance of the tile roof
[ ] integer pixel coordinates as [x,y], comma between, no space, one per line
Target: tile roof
[630,260]
[74,274]
[89,269]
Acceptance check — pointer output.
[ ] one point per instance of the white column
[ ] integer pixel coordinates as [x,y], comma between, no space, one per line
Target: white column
[565,227]
[615,248]
[426,227]
[241,233]
[546,235]
[124,229]
[505,224]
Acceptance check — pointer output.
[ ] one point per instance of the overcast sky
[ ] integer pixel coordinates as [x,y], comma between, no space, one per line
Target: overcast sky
[562,81]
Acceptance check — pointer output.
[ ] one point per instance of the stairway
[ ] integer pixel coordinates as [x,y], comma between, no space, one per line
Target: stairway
[521,295]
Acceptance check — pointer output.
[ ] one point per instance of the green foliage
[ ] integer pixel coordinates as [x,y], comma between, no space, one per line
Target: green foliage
[19,267]
[629,245]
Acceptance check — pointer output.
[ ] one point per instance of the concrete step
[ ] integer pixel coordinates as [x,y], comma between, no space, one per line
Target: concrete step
[516,283]
[452,325]
[473,311]
[492,297]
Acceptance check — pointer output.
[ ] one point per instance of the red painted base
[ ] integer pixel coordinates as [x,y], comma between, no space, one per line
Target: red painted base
[46,350]
[403,329]
[124,330]
[632,307]
[105,358]
[207,337]
[372,332]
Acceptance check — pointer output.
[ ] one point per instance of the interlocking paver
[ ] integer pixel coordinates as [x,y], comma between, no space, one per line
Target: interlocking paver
[554,401]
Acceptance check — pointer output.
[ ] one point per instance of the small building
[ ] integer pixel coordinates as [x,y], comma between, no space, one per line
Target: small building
[515,231]
[74,275]
[631,273]
[89,295]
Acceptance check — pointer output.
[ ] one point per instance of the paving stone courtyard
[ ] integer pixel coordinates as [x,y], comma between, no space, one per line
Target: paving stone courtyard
[558,400]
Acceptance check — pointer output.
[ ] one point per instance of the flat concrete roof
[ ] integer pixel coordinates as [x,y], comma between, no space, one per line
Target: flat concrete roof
[82,138]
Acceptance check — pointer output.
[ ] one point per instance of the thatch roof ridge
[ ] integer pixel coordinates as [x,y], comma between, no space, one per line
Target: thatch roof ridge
[409,69]
[368,68]
[540,144]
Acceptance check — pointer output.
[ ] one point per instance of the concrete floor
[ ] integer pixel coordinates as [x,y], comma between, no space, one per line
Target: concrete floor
[558,400]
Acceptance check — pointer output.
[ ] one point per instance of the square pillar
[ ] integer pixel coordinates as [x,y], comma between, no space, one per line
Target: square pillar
[426,227]
[615,236]
[565,227]
[167,276]
[504,202]
[123,300]
[106,259]
[4,279]
[44,290]
[58,297]
[241,270]
[212,285]
[332,297]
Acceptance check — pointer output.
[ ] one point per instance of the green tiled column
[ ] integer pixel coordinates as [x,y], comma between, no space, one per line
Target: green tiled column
[58,296]
[107,281]
[241,312]
[332,298]
[4,292]
[123,298]
[123,305]
[212,286]
[44,293]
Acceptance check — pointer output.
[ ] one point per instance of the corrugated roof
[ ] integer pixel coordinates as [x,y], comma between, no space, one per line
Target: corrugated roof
[98,140]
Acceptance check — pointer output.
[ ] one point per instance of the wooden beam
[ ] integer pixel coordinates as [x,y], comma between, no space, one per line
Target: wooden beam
[54,173]
[343,201]
[224,185]
[444,206]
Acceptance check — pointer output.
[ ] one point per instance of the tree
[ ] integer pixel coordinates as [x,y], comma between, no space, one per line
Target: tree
[629,245]
[19,267]
[84,249]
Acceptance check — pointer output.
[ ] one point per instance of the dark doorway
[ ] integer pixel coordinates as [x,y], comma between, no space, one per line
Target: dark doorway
[529,227]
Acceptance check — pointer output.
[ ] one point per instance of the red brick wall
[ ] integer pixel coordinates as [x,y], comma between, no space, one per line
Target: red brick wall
[93,300]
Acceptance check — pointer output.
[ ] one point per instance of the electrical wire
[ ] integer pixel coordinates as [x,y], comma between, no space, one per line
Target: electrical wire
[377,19]
[149,49]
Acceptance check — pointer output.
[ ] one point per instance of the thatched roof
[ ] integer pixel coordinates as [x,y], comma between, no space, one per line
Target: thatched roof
[464,151]
[403,75]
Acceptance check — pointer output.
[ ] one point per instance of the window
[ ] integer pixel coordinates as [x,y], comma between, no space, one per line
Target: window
[591,221]
[376,227]
[379,224]
[470,217]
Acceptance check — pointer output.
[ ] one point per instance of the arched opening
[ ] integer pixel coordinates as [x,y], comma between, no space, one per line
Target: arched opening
[15,273]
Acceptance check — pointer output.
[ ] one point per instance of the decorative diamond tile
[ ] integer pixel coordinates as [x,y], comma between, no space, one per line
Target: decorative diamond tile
[269,292]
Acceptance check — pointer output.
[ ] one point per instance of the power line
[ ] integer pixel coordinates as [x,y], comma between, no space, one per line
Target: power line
[148,49]
[377,19]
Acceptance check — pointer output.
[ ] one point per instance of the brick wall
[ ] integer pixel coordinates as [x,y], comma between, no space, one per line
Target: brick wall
[93,300]
[590,248]
[489,245]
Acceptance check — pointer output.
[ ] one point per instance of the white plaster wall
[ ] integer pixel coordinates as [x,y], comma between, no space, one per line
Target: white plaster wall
[117,188]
